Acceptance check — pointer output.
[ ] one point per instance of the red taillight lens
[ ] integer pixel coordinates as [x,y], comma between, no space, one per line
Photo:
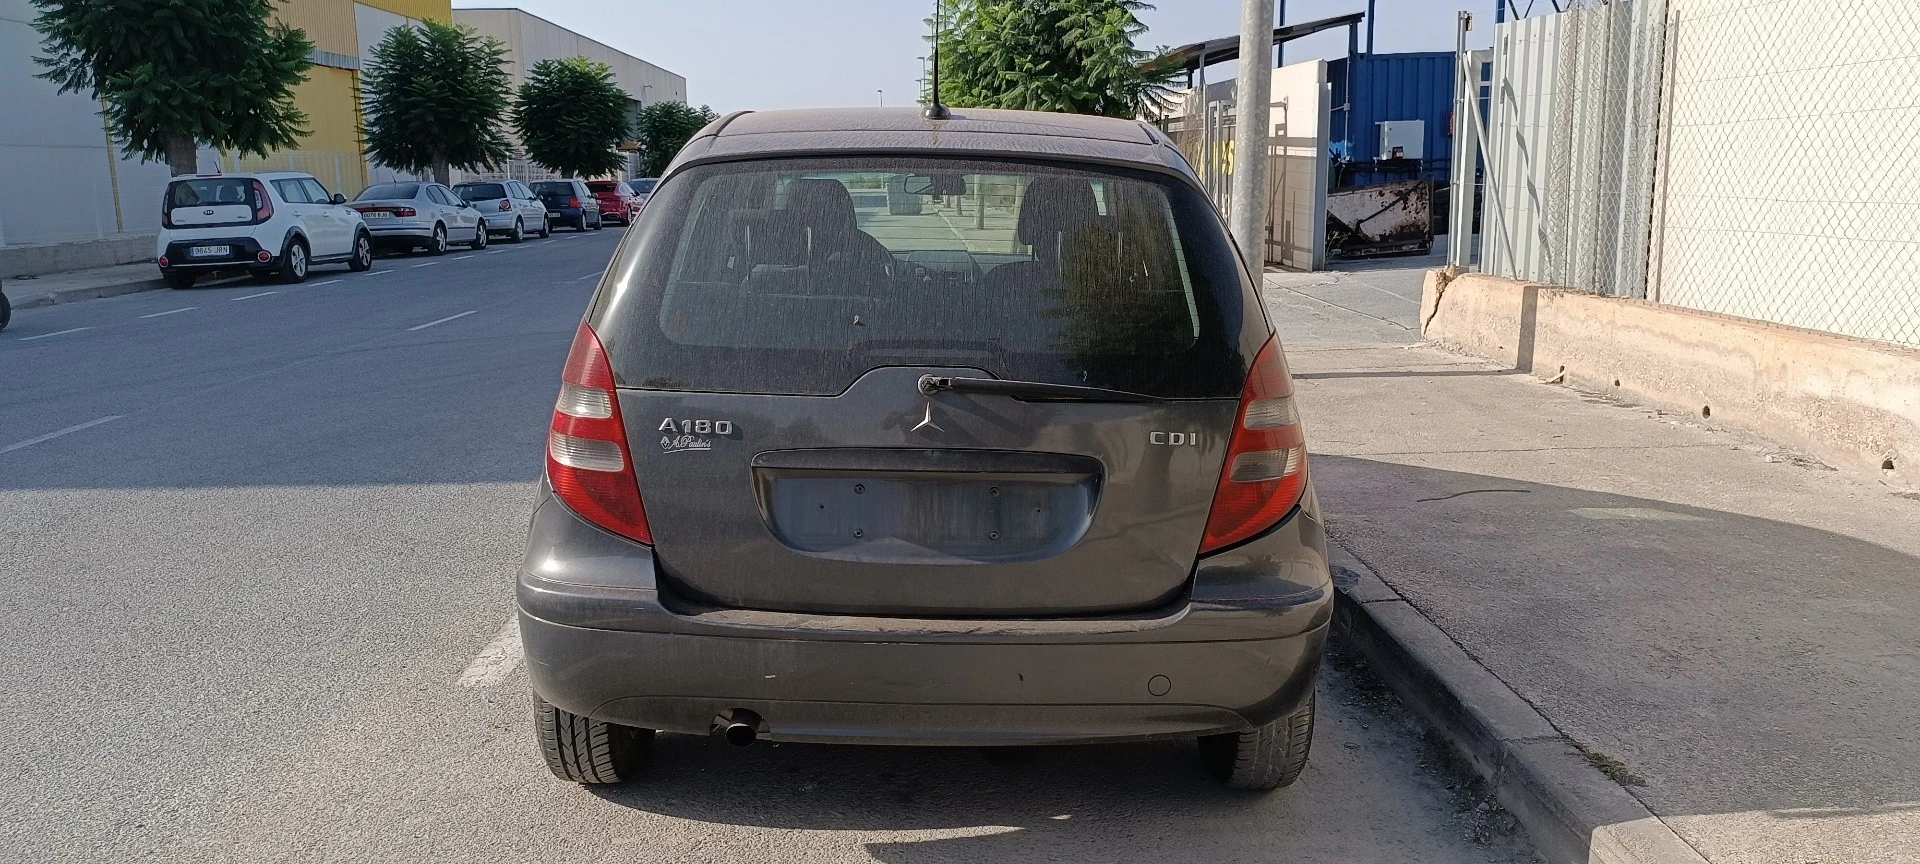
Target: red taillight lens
[573,202]
[263,205]
[405,211]
[505,205]
[1266,468]
[587,461]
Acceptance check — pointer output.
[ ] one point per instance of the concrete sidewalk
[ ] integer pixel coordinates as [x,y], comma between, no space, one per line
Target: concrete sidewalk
[1730,630]
[31,292]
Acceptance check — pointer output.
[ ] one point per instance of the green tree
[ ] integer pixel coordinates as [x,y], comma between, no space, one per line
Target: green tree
[571,117]
[665,127]
[1072,56]
[436,99]
[179,74]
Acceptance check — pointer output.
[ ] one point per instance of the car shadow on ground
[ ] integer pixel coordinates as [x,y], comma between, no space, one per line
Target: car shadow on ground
[1748,677]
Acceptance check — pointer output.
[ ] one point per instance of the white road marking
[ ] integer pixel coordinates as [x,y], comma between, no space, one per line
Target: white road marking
[461,258]
[496,661]
[427,264]
[54,333]
[377,273]
[594,275]
[495,251]
[21,445]
[173,312]
[443,320]
[251,296]
[328,282]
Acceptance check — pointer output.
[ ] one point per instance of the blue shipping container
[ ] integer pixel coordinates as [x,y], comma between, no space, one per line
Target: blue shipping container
[1413,86]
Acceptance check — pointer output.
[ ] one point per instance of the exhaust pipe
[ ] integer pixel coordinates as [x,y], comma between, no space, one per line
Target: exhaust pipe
[740,734]
[739,726]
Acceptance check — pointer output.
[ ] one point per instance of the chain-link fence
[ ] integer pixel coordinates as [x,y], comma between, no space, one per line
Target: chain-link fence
[1787,191]
[1747,157]
[1570,146]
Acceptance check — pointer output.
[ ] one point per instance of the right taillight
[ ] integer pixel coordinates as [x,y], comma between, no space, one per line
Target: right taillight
[587,461]
[506,205]
[1266,468]
[262,203]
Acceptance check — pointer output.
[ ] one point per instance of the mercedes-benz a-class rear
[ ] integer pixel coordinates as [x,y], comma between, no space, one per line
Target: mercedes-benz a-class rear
[895,431]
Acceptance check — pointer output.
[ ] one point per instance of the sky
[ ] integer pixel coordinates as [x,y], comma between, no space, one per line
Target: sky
[762,54]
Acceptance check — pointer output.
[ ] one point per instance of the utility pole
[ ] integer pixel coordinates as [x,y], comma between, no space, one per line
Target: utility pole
[883,97]
[1248,215]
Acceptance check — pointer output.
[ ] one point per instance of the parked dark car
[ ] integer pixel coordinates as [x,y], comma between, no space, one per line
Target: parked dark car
[6,308]
[569,202]
[617,200]
[934,483]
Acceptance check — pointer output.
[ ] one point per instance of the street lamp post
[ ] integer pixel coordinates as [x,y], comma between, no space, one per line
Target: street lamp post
[883,97]
[1247,210]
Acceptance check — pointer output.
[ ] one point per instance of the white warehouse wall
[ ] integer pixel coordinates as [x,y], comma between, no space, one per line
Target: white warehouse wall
[60,178]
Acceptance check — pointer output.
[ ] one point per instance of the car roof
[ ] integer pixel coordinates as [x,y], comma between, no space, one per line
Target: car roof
[984,132]
[243,175]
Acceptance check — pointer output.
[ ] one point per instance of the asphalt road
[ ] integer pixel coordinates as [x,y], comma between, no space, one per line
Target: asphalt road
[256,552]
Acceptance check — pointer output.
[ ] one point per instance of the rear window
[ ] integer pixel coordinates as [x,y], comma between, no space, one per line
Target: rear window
[390,192]
[798,276]
[644,187]
[602,186]
[553,187]
[210,191]
[481,191]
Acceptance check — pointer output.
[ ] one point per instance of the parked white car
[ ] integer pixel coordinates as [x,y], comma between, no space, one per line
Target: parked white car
[275,224]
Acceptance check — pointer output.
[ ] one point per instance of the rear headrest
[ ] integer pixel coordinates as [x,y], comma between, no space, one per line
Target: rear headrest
[769,237]
[1054,206]
[822,205]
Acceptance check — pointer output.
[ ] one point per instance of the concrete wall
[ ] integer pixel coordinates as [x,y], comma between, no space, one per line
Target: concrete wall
[1850,402]
[1789,131]
[1297,172]
[54,148]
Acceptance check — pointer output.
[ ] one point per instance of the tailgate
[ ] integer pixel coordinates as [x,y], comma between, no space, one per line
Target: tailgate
[883,501]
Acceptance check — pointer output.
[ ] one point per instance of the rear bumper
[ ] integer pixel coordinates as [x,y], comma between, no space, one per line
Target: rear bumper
[501,221]
[245,252]
[1240,649]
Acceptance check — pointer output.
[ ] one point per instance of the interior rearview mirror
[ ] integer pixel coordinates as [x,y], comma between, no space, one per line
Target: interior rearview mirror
[935,184]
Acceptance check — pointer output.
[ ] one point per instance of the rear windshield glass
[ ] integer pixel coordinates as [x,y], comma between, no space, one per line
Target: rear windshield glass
[210,191]
[644,187]
[390,191]
[601,186]
[799,276]
[553,187]
[481,192]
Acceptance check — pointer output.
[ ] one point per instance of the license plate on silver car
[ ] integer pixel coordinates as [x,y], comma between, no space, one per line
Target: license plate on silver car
[209,251]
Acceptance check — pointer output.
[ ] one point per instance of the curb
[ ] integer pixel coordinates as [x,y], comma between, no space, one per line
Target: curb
[84,292]
[1572,812]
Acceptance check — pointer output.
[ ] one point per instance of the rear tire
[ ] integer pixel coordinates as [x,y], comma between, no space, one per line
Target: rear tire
[293,263]
[546,226]
[479,237]
[362,259]
[438,245]
[519,234]
[599,222]
[180,281]
[1265,757]
[6,310]
[584,750]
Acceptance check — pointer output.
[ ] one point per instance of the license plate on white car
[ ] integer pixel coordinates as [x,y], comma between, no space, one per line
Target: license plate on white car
[377,214]
[209,251]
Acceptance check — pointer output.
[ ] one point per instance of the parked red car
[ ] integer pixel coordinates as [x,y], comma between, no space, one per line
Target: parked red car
[617,200]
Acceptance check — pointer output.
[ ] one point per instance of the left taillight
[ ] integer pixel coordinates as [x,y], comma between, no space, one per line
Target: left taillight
[263,205]
[1266,467]
[588,465]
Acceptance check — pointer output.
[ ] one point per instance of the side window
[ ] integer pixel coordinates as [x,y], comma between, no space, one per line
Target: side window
[317,193]
[519,191]
[291,191]
[624,189]
[440,194]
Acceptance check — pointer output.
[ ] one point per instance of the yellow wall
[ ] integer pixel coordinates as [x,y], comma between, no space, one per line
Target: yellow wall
[439,10]
[329,23]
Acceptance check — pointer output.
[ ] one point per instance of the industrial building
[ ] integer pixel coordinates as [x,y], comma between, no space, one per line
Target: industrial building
[69,200]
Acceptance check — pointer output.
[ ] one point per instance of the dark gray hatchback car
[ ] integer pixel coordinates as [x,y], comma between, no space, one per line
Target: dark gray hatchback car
[1018,464]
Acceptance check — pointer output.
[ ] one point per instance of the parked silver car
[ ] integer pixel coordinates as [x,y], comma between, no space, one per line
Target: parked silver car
[823,473]
[406,216]
[509,208]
